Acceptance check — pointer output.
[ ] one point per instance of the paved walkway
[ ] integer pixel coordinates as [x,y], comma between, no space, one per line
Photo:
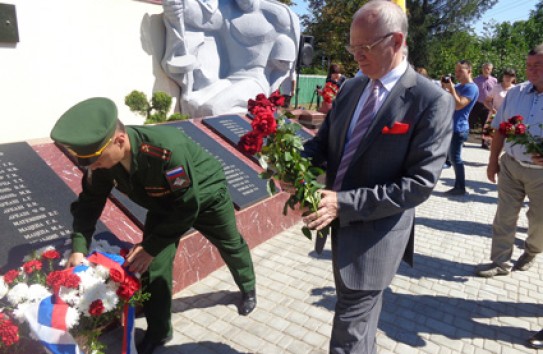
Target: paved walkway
[436,307]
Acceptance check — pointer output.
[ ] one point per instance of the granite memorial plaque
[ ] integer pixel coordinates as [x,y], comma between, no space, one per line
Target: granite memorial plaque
[233,127]
[134,211]
[34,206]
[244,185]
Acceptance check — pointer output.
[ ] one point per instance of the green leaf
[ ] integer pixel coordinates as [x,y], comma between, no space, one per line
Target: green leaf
[266,174]
[307,232]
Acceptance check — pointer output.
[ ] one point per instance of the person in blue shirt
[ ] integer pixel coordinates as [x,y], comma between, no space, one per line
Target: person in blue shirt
[465,95]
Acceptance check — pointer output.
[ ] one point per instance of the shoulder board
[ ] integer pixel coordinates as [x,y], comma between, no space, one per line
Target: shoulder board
[155,151]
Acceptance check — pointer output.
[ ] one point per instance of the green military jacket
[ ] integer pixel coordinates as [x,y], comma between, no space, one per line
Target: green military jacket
[171,177]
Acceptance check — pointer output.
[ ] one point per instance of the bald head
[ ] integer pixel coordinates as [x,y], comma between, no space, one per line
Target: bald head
[377,37]
[384,16]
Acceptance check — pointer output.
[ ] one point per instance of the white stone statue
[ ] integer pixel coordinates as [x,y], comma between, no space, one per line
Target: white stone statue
[223,52]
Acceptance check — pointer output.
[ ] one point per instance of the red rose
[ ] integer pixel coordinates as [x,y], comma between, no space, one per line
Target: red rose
[264,122]
[329,92]
[251,143]
[32,266]
[51,254]
[520,129]
[516,119]
[507,128]
[116,275]
[128,287]
[261,101]
[10,276]
[277,99]
[96,308]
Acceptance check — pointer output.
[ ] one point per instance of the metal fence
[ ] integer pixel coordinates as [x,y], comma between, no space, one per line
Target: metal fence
[306,89]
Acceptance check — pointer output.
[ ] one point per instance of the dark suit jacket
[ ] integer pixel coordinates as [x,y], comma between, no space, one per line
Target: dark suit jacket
[390,174]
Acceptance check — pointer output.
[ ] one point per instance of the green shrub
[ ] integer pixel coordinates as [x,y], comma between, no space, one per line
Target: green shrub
[155,111]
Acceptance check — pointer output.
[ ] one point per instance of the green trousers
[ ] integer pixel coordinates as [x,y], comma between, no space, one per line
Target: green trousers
[216,221]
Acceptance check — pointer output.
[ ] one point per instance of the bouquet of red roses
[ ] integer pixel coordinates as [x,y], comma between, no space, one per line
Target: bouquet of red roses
[66,307]
[281,156]
[329,92]
[517,132]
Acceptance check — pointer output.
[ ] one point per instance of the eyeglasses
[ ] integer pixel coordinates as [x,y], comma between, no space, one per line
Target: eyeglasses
[94,154]
[353,49]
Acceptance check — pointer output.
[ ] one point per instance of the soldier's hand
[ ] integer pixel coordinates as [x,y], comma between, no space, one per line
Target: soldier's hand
[76,258]
[138,260]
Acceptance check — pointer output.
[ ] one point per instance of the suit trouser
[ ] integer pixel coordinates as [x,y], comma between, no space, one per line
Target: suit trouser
[355,319]
[217,222]
[515,182]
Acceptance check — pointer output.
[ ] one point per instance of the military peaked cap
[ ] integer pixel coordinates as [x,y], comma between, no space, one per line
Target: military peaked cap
[86,129]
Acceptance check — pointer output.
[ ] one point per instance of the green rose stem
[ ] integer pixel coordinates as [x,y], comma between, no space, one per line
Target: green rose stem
[281,158]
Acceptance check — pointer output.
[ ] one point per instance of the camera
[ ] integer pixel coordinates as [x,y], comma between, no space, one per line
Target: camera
[446,79]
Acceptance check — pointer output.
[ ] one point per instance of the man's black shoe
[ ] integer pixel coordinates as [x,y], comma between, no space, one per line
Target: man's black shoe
[148,346]
[536,341]
[456,191]
[248,303]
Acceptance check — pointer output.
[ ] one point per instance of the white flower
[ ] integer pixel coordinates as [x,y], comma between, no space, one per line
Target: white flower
[110,300]
[91,294]
[37,292]
[102,272]
[18,294]
[69,295]
[72,318]
[3,288]
[19,312]
[89,279]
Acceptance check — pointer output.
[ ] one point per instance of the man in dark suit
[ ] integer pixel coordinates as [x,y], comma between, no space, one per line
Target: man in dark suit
[384,144]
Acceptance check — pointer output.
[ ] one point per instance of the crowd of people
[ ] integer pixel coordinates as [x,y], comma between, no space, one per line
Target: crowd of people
[369,205]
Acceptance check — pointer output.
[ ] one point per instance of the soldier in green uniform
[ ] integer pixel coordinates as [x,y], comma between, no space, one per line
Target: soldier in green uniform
[180,185]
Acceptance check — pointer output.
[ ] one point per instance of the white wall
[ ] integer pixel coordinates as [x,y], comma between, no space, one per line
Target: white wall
[70,50]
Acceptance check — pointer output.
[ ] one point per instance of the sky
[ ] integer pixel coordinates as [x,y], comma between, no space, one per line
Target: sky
[504,10]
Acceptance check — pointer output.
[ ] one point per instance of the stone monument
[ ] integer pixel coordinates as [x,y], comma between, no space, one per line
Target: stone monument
[223,52]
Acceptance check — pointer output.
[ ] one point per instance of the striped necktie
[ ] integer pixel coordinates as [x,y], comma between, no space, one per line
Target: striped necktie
[364,121]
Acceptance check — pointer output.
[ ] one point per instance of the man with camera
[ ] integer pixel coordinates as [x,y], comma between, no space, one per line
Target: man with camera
[465,95]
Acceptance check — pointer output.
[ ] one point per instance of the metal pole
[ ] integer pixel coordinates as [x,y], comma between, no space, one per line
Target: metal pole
[297,87]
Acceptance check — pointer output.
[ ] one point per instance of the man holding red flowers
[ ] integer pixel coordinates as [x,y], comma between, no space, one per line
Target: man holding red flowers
[520,174]
[383,143]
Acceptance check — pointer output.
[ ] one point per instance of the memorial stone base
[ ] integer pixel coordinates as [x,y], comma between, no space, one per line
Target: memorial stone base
[308,118]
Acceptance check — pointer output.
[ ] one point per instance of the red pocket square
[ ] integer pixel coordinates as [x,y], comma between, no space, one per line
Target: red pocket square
[397,128]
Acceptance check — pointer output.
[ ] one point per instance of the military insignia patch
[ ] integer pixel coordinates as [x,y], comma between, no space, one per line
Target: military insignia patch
[177,178]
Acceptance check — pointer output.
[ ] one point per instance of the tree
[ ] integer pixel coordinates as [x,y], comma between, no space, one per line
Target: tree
[329,22]
[439,19]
